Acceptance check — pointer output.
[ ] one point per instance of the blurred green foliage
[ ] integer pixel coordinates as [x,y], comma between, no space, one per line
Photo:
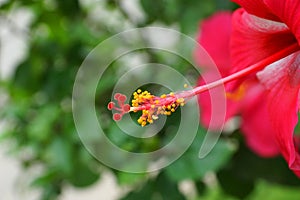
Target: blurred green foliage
[39,111]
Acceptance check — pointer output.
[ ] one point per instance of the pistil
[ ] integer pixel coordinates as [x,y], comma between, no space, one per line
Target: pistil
[153,106]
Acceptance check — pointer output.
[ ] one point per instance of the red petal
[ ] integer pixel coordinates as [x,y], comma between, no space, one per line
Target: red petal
[258,8]
[204,99]
[288,12]
[256,126]
[214,35]
[254,39]
[283,106]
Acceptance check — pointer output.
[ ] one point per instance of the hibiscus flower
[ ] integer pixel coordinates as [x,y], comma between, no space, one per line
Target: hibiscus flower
[260,29]
[246,99]
[269,103]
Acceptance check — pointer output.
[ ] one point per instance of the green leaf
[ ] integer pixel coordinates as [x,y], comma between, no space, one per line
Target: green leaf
[235,185]
[240,175]
[84,169]
[159,188]
[130,178]
[60,155]
[297,128]
[189,166]
[83,176]
[167,188]
[270,191]
[153,9]
[193,12]
[45,179]
[41,125]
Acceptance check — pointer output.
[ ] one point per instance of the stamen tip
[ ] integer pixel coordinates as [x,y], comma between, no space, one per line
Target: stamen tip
[122,98]
[110,105]
[116,96]
[126,108]
[117,117]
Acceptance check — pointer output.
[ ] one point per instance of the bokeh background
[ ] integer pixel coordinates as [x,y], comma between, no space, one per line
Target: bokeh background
[43,44]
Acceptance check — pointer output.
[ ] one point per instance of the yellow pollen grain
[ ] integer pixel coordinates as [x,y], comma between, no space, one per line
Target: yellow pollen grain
[150,121]
[185,85]
[144,123]
[155,105]
[167,113]
[180,100]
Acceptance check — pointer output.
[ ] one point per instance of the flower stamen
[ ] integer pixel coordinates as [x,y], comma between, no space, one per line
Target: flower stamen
[153,106]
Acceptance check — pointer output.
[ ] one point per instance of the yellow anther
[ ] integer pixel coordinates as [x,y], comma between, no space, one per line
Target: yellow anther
[180,100]
[185,85]
[140,121]
[167,113]
[154,106]
[150,121]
